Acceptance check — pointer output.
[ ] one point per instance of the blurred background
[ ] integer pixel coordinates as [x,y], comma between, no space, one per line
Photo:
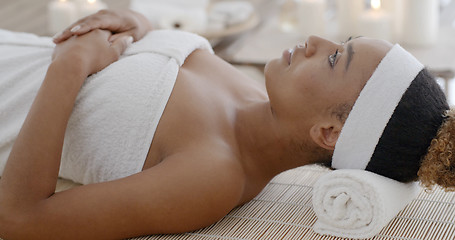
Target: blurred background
[248,33]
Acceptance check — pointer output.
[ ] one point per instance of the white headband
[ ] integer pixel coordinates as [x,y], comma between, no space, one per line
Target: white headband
[373,109]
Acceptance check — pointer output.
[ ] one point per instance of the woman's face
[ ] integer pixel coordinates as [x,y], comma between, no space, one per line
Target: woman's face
[311,79]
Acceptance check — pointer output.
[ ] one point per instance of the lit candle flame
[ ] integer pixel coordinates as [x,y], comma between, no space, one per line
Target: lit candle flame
[91,1]
[375,4]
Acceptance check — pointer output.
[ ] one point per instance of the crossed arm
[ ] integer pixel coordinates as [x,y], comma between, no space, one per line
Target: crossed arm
[178,195]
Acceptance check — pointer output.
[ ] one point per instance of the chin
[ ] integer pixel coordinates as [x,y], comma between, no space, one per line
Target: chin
[272,76]
[268,66]
[272,69]
[268,73]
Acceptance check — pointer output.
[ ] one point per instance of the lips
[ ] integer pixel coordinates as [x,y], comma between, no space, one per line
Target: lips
[287,55]
[291,51]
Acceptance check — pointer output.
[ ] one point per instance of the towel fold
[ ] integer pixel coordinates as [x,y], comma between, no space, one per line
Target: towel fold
[24,39]
[358,204]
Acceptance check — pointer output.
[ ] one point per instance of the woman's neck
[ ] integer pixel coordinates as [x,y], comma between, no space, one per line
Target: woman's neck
[265,150]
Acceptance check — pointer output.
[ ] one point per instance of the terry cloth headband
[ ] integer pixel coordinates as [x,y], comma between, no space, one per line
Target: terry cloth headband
[373,108]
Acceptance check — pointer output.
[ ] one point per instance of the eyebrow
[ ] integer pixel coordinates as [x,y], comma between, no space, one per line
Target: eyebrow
[350,51]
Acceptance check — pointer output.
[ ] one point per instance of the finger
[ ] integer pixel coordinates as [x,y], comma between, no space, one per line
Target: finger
[82,28]
[61,36]
[76,29]
[120,35]
[88,24]
[105,33]
[66,33]
[85,25]
[120,45]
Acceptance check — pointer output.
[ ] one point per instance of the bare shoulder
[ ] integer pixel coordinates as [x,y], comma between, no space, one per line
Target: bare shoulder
[202,57]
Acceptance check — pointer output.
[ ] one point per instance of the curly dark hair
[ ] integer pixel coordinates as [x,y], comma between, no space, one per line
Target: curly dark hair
[438,165]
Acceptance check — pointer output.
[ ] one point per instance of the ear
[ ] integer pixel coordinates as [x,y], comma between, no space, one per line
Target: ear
[326,134]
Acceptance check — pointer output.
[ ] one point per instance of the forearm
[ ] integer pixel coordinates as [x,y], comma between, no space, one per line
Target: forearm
[118,22]
[32,168]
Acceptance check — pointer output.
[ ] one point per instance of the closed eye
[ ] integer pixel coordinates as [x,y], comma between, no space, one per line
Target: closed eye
[333,58]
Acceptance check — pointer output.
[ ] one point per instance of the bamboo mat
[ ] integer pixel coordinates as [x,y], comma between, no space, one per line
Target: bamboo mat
[283,210]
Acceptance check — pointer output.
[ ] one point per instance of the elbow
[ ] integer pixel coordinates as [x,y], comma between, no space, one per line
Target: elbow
[9,229]
[5,225]
[10,222]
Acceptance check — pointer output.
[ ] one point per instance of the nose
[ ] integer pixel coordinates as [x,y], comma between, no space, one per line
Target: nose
[315,43]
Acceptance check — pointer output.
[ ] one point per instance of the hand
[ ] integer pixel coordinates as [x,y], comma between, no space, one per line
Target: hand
[91,52]
[119,22]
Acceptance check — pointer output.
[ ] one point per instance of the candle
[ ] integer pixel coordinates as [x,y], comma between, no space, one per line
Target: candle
[375,22]
[89,7]
[420,22]
[60,14]
[311,17]
[348,13]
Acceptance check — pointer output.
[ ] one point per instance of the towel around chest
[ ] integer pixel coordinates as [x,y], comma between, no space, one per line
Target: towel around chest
[116,112]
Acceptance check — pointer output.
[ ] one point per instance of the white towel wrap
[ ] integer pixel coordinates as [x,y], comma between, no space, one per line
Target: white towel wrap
[116,112]
[373,109]
[358,204]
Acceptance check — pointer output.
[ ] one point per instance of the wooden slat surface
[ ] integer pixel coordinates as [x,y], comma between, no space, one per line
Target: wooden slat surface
[283,210]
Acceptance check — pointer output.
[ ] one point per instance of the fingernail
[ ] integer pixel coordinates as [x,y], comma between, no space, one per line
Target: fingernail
[75,28]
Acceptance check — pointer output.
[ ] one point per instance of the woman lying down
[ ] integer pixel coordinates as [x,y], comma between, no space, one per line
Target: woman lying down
[168,138]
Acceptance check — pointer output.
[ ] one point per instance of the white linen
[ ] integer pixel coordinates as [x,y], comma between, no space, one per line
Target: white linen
[24,59]
[116,112]
[373,108]
[358,204]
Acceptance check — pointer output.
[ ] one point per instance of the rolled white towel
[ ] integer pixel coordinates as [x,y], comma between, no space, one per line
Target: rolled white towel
[358,204]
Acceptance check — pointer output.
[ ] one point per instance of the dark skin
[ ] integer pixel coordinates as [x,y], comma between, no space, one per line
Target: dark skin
[220,140]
